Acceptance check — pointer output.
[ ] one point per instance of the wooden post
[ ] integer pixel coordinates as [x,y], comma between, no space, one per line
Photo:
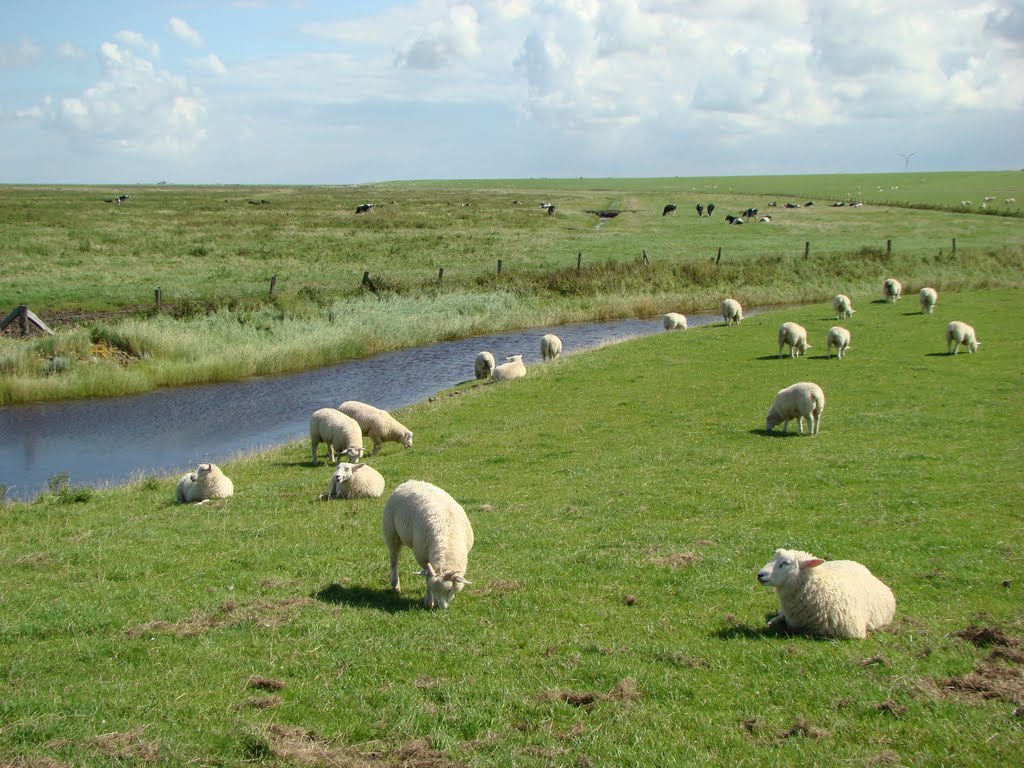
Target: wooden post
[23,319]
[273,284]
[579,260]
[499,266]
[807,248]
[888,248]
[719,255]
[156,297]
[647,262]
[954,246]
[366,277]
[24,316]
[440,275]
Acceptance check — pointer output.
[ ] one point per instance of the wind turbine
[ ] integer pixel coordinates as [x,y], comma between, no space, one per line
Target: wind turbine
[906,160]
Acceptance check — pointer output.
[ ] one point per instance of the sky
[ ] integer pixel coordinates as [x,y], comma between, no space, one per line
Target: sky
[318,92]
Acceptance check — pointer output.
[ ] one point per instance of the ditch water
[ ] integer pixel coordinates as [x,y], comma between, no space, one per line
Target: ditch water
[112,440]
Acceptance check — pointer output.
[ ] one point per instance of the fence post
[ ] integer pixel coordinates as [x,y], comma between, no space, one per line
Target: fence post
[273,284]
[156,297]
[954,246]
[888,248]
[719,255]
[23,319]
[440,276]
[366,277]
[647,262]
[807,248]
[499,266]
[579,260]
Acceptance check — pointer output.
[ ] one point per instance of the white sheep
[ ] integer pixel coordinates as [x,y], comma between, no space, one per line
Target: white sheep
[929,298]
[803,400]
[839,338]
[355,481]
[207,482]
[550,347]
[843,306]
[339,431]
[515,368]
[732,312]
[835,598]
[795,335]
[483,366]
[434,526]
[892,289]
[378,425]
[958,333]
[673,321]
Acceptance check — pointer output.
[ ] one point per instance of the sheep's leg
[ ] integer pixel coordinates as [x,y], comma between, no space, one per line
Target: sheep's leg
[396,584]
[376,446]
[800,423]
[315,446]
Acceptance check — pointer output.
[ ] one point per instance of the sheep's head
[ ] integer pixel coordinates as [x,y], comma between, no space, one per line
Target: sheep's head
[407,439]
[785,567]
[344,472]
[442,587]
[203,470]
[354,452]
[773,419]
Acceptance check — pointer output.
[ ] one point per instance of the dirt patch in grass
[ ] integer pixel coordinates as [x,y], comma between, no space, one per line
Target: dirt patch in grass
[262,613]
[883,758]
[1000,675]
[128,745]
[500,587]
[625,690]
[264,683]
[302,747]
[892,708]
[264,702]
[759,728]
[984,637]
[674,560]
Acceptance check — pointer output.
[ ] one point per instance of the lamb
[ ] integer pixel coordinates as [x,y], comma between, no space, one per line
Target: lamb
[339,431]
[207,482]
[732,312]
[378,425]
[929,298]
[483,365]
[843,306]
[958,333]
[796,336]
[803,400]
[837,598]
[513,369]
[434,526]
[673,321]
[550,347]
[355,481]
[892,289]
[839,338]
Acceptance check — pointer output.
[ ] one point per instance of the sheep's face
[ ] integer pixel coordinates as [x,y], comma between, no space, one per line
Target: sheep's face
[343,473]
[785,567]
[441,587]
[772,421]
[407,440]
[204,470]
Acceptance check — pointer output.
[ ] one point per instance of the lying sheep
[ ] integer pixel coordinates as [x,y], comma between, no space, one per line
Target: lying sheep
[673,321]
[892,289]
[732,311]
[339,431]
[206,483]
[550,347]
[839,338]
[434,526]
[800,401]
[355,481]
[929,298]
[795,336]
[837,598]
[515,368]
[378,425]
[843,306]
[483,365]
[958,333]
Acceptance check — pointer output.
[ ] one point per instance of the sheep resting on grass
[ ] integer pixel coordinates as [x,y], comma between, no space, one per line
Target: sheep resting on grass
[515,368]
[355,481]
[206,483]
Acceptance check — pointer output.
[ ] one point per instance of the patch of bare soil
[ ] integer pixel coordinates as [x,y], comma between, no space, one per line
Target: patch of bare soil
[759,728]
[625,690]
[983,637]
[675,560]
[264,683]
[265,702]
[302,747]
[262,613]
[126,746]
[1000,675]
[883,758]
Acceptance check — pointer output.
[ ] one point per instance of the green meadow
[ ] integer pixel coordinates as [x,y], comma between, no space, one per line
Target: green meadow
[623,500]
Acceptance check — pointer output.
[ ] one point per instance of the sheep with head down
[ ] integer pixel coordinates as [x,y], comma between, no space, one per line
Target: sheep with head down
[892,289]
[550,347]
[339,431]
[483,365]
[377,424]
[674,321]
[842,306]
[803,400]
[839,338]
[795,335]
[929,297]
[732,312]
[958,333]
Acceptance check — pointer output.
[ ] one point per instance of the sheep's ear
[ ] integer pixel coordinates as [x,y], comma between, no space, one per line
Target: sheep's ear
[811,563]
[359,465]
[460,579]
[428,571]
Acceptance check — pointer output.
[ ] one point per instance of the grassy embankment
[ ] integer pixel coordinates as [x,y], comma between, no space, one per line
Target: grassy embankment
[623,500]
[213,254]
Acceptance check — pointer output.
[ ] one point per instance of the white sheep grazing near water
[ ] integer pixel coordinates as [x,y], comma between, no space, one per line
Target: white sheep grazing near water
[207,482]
[839,338]
[803,400]
[378,425]
[550,347]
[673,321]
[795,335]
[834,598]
[929,298]
[515,368]
[892,289]
[483,366]
[958,333]
[434,526]
[355,481]
[732,312]
[843,306]
[339,431]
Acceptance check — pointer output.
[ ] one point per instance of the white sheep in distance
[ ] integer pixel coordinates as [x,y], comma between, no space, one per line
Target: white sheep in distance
[434,526]
[834,598]
[803,400]
[839,338]
[843,306]
[483,366]
[550,347]
[892,289]
[732,312]
[958,333]
[340,432]
[673,321]
[207,482]
[795,335]
[355,481]
[378,425]
[929,298]
[515,368]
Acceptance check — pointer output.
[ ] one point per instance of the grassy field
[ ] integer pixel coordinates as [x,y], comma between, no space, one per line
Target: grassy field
[623,501]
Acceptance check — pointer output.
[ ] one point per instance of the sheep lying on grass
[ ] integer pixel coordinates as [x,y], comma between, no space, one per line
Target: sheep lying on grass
[800,401]
[732,312]
[958,333]
[434,526]
[355,481]
[795,336]
[550,347]
[839,338]
[515,368]
[929,298]
[380,426]
[340,432]
[835,598]
[483,366]
[206,483]
[892,289]
[673,321]
[843,306]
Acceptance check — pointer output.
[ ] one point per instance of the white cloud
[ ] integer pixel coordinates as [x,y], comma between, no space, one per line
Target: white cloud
[184,31]
[209,64]
[135,40]
[19,54]
[453,37]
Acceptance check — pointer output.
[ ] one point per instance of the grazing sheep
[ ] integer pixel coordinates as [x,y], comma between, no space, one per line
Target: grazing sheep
[839,338]
[513,369]
[378,425]
[550,347]
[800,401]
[355,481]
[842,306]
[732,312]
[206,483]
[339,431]
[670,208]
[483,365]
[673,321]
[929,298]
[892,289]
[958,333]
[835,598]
[434,526]
[795,335]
